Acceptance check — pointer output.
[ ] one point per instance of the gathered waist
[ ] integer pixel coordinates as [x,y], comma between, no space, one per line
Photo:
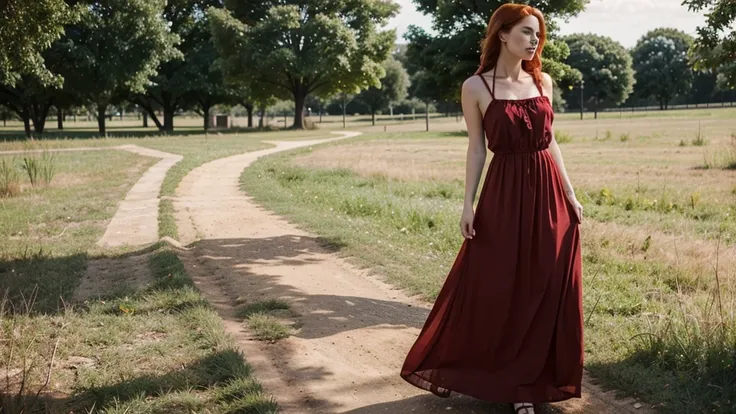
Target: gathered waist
[520,152]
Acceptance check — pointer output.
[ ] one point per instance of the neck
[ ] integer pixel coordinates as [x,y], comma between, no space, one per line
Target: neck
[508,66]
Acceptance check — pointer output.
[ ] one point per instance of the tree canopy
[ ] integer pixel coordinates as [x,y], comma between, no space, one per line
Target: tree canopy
[27,28]
[661,65]
[115,49]
[393,88]
[715,46]
[304,47]
[606,67]
[447,59]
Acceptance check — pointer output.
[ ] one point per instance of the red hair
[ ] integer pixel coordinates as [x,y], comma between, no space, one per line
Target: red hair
[503,19]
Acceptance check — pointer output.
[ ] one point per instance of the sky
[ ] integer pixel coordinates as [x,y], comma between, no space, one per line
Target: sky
[603,17]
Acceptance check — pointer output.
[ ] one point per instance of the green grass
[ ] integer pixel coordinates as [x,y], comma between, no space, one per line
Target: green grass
[196,149]
[46,232]
[161,348]
[262,321]
[407,232]
[149,348]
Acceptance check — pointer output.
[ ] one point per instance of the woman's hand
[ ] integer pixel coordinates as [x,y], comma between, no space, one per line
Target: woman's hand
[576,206]
[466,223]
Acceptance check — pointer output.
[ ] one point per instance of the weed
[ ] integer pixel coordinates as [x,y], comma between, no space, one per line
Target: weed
[9,179]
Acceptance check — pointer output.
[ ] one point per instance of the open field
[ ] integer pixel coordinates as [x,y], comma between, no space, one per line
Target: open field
[659,255]
[113,330]
[659,236]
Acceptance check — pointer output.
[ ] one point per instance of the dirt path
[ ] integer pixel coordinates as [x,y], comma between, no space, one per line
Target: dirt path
[135,222]
[354,329]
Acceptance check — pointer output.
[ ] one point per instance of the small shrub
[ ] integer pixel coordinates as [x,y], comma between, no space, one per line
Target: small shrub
[682,143]
[48,167]
[562,137]
[9,179]
[624,137]
[694,200]
[609,135]
[33,168]
[699,140]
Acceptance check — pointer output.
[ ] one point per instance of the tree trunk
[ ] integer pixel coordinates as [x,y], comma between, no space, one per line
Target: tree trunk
[59,118]
[344,106]
[168,119]
[249,108]
[299,101]
[27,123]
[373,117]
[595,108]
[206,115]
[426,115]
[145,119]
[39,113]
[101,109]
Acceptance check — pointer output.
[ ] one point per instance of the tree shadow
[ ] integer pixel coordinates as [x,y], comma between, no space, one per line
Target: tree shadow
[217,369]
[232,273]
[229,262]
[39,283]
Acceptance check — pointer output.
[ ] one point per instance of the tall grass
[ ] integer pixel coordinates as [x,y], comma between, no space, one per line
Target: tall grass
[9,179]
[652,328]
[40,170]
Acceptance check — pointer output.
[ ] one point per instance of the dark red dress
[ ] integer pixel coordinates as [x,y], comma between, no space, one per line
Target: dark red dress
[507,325]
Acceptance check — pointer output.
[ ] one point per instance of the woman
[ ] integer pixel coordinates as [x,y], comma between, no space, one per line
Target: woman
[507,325]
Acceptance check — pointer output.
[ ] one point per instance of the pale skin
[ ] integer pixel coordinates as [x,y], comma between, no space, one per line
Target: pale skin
[512,82]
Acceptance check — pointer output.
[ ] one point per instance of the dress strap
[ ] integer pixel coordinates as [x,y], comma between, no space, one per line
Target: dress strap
[486,83]
[539,86]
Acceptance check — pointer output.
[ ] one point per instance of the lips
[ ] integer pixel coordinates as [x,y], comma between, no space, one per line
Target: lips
[531,49]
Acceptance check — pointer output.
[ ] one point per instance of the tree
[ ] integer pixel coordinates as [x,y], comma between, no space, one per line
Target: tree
[304,47]
[715,46]
[394,87]
[30,99]
[661,65]
[448,58]
[114,50]
[27,28]
[606,67]
[189,79]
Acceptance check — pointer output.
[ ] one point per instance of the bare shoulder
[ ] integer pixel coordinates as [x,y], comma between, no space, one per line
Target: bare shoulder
[472,84]
[547,81]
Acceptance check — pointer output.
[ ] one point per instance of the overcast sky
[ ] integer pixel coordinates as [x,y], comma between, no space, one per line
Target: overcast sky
[623,20]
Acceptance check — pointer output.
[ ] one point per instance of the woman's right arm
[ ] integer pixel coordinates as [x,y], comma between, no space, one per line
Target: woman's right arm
[476,154]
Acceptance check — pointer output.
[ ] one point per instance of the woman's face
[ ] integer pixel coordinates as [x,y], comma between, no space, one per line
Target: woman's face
[522,40]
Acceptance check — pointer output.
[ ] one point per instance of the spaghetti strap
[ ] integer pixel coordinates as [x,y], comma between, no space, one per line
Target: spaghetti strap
[539,87]
[488,87]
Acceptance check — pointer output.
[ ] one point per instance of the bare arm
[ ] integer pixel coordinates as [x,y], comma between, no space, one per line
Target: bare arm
[554,148]
[476,154]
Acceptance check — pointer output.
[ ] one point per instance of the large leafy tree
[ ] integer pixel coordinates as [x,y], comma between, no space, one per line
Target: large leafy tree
[27,28]
[191,79]
[114,50]
[304,47]
[661,65]
[31,96]
[715,46]
[394,87]
[445,60]
[606,67]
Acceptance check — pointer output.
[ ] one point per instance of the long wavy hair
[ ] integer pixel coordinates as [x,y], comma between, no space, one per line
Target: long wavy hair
[503,19]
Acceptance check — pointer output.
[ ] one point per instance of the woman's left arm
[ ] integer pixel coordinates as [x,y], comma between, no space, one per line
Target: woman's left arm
[554,150]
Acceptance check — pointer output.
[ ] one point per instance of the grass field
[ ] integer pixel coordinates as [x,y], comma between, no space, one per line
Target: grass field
[658,240]
[123,331]
[660,198]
